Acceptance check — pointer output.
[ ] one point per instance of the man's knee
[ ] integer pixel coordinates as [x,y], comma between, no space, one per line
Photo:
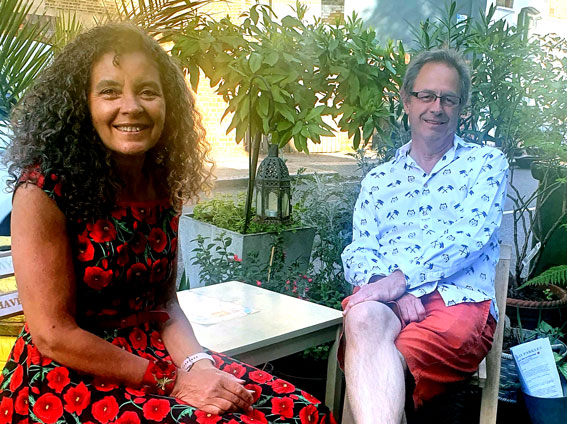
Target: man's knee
[371,318]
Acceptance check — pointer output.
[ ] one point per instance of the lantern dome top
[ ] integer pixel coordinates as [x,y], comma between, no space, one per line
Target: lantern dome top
[272,167]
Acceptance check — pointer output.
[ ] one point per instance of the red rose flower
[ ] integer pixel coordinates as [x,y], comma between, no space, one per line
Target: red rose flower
[22,402]
[138,339]
[309,415]
[156,409]
[102,230]
[206,418]
[85,248]
[147,215]
[138,243]
[257,391]
[103,385]
[17,378]
[281,386]
[18,349]
[173,244]
[97,278]
[254,417]
[122,342]
[118,213]
[157,239]
[260,376]
[77,399]
[137,274]
[122,251]
[156,341]
[235,369]
[282,406]
[105,410]
[310,398]
[128,417]
[174,223]
[159,269]
[6,410]
[58,378]
[48,408]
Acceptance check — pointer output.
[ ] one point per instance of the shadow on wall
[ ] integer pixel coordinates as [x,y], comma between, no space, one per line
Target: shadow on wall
[392,18]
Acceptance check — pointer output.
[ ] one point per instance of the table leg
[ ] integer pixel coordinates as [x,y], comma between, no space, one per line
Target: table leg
[334,391]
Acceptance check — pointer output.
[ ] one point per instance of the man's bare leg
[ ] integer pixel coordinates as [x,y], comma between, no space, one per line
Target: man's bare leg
[374,368]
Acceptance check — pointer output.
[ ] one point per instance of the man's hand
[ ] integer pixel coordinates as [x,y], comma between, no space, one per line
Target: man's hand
[388,288]
[212,390]
[410,308]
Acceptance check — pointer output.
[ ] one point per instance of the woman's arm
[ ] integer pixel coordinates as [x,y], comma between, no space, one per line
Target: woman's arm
[204,386]
[45,275]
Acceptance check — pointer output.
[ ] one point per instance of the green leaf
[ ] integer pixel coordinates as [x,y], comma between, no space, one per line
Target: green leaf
[286,112]
[390,67]
[291,22]
[356,139]
[254,15]
[271,58]
[276,94]
[255,62]
[263,105]
[368,129]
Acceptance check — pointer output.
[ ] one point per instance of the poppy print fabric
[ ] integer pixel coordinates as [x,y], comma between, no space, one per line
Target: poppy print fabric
[123,263]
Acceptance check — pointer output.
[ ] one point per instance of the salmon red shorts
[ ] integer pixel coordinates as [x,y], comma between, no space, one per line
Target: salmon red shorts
[445,347]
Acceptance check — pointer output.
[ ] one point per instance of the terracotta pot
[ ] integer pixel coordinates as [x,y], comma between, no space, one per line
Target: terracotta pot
[554,312]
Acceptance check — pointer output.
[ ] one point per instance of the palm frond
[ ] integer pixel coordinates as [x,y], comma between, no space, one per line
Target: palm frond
[22,51]
[555,275]
[158,17]
[67,27]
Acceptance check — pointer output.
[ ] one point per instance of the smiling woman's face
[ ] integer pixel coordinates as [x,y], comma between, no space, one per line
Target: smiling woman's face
[126,103]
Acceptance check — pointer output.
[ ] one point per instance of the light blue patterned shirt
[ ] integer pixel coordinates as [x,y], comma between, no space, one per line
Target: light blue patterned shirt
[440,229]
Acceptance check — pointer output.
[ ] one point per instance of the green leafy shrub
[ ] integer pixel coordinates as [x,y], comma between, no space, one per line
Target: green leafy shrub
[228,212]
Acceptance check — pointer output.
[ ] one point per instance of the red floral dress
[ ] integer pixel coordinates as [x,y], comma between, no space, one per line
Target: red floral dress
[123,263]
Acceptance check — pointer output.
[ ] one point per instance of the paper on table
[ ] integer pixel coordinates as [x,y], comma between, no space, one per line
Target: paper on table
[205,310]
[536,368]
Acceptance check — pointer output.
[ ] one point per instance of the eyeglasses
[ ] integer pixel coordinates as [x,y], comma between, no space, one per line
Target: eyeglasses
[428,97]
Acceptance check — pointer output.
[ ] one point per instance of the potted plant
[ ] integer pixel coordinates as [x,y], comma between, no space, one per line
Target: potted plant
[288,80]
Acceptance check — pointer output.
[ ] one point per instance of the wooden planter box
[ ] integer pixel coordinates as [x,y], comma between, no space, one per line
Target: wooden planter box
[297,244]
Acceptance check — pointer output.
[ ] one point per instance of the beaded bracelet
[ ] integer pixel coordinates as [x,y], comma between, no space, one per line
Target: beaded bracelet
[159,377]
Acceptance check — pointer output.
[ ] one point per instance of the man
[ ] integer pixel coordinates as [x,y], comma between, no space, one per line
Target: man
[424,250]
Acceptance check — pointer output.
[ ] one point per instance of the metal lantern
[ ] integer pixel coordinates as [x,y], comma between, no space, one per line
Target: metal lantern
[273,188]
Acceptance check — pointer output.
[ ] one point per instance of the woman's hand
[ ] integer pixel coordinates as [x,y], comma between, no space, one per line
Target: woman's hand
[212,390]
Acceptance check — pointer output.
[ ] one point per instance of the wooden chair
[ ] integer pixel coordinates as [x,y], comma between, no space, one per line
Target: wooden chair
[488,374]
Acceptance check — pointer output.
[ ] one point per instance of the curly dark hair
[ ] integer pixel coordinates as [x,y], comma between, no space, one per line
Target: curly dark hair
[52,127]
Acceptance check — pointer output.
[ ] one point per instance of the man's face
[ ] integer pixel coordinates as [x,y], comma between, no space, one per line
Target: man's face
[433,122]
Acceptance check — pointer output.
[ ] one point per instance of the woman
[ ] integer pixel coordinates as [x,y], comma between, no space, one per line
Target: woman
[107,148]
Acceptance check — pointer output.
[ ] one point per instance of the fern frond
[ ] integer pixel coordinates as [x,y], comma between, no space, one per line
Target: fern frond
[555,275]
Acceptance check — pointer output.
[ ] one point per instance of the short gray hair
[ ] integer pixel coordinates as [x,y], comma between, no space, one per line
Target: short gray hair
[448,57]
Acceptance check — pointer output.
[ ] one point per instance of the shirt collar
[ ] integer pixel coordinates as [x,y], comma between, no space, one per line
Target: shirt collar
[403,152]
